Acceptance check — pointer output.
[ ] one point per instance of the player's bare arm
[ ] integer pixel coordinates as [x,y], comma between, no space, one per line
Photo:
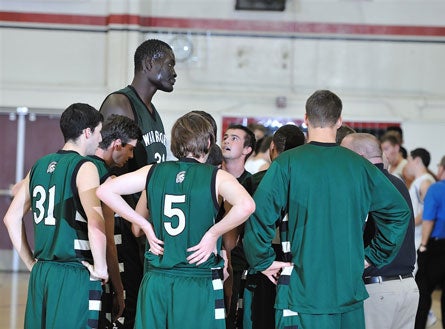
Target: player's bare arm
[112,262]
[117,104]
[111,193]
[87,181]
[13,220]
[141,208]
[242,207]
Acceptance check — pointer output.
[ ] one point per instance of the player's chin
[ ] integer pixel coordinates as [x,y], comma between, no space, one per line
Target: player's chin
[168,90]
[167,87]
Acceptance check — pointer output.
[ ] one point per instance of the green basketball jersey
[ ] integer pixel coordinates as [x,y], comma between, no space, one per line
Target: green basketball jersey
[60,224]
[183,206]
[152,148]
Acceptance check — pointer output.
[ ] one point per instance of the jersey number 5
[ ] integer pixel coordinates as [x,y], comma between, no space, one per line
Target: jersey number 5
[40,194]
[170,212]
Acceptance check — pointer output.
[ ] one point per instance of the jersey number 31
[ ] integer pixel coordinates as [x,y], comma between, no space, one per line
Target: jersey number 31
[40,194]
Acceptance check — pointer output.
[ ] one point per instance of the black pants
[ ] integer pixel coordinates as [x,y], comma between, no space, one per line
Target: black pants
[430,274]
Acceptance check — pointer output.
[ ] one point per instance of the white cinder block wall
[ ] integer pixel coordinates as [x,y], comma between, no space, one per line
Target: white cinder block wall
[385,59]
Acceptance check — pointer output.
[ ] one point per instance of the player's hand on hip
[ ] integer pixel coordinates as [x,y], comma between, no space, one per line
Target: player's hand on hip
[156,247]
[203,250]
[96,274]
[273,272]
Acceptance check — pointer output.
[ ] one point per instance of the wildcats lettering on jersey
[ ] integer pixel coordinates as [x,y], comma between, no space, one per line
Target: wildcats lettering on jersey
[154,137]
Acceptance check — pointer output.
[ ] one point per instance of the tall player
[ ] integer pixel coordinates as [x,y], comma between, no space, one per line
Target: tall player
[154,64]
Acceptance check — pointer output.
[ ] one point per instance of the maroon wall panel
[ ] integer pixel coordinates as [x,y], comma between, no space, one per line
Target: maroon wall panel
[42,136]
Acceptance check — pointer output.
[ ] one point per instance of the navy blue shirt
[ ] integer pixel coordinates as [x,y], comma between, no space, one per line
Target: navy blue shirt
[403,263]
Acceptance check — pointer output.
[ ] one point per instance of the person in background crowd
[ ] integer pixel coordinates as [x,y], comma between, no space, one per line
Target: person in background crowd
[237,145]
[261,160]
[391,144]
[342,132]
[431,253]
[393,292]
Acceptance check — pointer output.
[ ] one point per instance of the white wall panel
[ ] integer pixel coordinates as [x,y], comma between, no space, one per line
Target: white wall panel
[58,58]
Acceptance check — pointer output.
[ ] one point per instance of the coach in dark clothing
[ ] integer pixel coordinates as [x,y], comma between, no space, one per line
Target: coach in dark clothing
[393,293]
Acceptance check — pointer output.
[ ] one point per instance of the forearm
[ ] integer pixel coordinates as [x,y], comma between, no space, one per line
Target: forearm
[237,215]
[112,258]
[98,243]
[113,267]
[427,229]
[121,207]
[387,242]
[418,219]
[19,240]
[258,243]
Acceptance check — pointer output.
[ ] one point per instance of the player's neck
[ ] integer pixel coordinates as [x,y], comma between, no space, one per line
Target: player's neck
[76,147]
[105,155]
[145,90]
[322,135]
[234,166]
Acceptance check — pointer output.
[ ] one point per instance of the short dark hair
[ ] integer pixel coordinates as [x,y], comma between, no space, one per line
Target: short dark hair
[396,129]
[257,126]
[342,132]
[191,133]
[323,109]
[423,154]
[249,139]
[119,127]
[76,118]
[392,137]
[263,144]
[153,49]
[215,157]
[288,137]
[404,152]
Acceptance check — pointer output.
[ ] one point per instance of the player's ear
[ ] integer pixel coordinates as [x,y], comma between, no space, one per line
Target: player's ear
[87,132]
[339,122]
[117,144]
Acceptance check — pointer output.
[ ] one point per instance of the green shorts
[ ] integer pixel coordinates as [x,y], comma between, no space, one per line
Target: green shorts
[184,299]
[287,319]
[61,295]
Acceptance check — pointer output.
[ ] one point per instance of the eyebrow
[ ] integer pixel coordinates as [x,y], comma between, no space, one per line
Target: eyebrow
[230,135]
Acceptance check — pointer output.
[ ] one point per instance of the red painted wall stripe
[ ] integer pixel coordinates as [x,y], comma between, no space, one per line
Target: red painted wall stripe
[225,24]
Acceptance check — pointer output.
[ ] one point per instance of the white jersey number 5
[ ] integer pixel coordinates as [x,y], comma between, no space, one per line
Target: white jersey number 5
[170,212]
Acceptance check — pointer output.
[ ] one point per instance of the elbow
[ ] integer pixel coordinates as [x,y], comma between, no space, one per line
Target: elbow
[250,206]
[6,221]
[100,193]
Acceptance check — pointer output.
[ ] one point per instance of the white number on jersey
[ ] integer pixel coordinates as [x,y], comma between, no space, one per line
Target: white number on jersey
[40,193]
[170,211]
[159,158]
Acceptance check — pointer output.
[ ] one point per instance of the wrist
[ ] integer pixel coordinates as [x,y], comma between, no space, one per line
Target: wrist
[102,271]
[366,263]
